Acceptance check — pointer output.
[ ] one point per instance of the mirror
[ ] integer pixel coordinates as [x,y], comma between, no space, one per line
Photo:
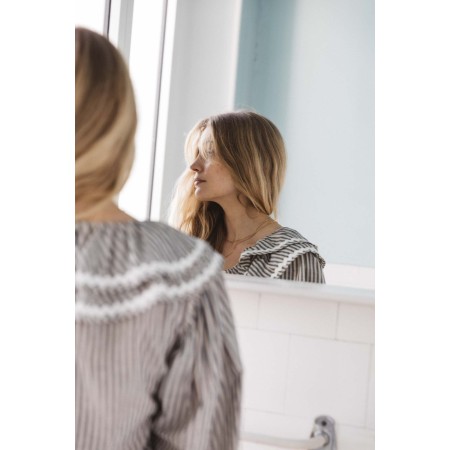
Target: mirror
[308,65]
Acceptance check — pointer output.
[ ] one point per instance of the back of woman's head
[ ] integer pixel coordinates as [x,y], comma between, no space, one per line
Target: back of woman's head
[105,121]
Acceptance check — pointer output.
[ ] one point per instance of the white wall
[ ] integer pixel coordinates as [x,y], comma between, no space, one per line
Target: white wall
[307,350]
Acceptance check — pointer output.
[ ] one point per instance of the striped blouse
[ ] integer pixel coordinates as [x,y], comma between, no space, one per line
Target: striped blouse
[284,254]
[157,362]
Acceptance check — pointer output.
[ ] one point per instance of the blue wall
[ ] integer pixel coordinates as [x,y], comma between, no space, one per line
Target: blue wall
[308,65]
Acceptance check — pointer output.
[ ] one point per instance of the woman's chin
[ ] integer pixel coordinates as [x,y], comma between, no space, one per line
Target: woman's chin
[199,196]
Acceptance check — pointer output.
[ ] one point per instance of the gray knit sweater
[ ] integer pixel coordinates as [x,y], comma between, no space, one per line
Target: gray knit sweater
[157,361]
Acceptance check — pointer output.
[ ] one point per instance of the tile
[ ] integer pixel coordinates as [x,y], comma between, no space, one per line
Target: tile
[265,357]
[356,323]
[300,316]
[244,305]
[328,377]
[351,438]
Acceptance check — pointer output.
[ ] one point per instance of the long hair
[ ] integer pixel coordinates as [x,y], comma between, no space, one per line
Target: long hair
[105,121]
[251,147]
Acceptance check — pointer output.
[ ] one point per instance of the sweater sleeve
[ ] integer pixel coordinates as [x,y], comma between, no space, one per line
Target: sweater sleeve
[199,396]
[305,267]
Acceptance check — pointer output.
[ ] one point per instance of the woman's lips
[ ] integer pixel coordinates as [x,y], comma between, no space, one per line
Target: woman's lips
[197,182]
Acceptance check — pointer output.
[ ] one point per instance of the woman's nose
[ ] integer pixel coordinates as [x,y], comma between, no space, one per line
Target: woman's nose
[196,166]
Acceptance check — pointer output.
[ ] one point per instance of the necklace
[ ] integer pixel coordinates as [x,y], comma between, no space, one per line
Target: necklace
[246,238]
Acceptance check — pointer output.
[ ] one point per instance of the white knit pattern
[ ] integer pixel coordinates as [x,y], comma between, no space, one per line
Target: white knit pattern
[286,261]
[144,300]
[138,274]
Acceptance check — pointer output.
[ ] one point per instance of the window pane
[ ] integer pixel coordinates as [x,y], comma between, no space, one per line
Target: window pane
[144,70]
[90,14]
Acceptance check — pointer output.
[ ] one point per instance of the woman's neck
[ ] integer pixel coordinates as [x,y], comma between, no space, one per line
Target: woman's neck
[245,227]
[241,220]
[243,223]
[110,212]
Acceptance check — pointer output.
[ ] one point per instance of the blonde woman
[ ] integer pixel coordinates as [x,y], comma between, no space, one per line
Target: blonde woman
[229,193]
[157,362]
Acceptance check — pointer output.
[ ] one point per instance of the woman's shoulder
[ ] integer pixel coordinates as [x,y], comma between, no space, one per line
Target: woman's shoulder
[125,267]
[280,239]
[132,242]
[286,233]
[284,243]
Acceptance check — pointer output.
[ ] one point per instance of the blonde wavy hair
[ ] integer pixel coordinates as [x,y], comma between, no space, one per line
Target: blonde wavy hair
[105,121]
[251,147]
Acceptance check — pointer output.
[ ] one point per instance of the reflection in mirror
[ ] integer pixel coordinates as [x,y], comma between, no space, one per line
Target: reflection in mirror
[308,66]
[229,191]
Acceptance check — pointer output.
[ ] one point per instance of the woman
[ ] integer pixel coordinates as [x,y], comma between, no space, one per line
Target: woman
[229,191]
[157,363]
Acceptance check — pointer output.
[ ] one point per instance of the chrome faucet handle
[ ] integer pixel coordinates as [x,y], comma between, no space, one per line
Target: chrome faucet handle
[324,426]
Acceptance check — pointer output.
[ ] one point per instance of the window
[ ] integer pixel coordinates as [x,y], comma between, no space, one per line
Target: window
[90,14]
[136,27]
[145,19]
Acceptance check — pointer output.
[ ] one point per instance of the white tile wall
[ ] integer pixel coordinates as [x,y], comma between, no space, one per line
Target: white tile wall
[265,358]
[245,307]
[304,357]
[356,323]
[352,438]
[300,316]
[328,377]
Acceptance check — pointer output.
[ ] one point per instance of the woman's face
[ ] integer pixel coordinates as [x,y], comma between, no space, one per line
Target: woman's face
[212,180]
